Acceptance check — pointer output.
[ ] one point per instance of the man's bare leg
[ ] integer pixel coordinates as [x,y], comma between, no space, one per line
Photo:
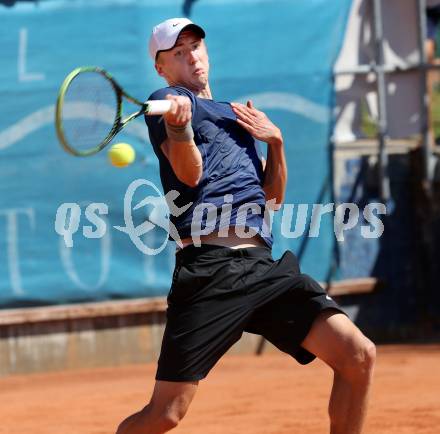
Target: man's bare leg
[334,339]
[168,405]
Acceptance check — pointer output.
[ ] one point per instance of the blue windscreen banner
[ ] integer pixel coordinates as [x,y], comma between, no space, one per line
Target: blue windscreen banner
[278,53]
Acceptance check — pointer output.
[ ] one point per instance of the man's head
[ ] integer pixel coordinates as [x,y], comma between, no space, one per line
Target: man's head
[178,49]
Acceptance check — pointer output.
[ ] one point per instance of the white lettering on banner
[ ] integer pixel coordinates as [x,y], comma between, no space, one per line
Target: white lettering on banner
[67,221]
[318,211]
[197,221]
[339,224]
[149,265]
[171,257]
[68,217]
[300,222]
[346,217]
[12,244]
[23,75]
[266,230]
[68,264]
[91,214]
[225,216]
[157,218]
[240,228]
[377,227]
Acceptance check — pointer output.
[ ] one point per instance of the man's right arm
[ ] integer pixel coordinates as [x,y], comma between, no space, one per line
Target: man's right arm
[179,146]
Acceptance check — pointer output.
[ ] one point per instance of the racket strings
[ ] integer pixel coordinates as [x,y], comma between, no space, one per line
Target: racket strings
[90,111]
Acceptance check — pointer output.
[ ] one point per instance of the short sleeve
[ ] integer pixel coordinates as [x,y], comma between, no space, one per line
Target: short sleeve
[155,124]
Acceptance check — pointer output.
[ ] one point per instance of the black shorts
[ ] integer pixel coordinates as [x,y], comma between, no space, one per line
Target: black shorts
[217,293]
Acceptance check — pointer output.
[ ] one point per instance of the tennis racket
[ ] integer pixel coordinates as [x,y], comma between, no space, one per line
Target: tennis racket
[88,111]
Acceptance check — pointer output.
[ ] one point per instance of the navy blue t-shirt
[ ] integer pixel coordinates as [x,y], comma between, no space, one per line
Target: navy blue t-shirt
[231,166]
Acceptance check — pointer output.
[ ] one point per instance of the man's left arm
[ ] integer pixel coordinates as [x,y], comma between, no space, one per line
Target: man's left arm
[262,128]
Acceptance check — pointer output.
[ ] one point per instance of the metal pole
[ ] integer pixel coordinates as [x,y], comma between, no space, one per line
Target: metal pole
[427,259]
[424,103]
[384,181]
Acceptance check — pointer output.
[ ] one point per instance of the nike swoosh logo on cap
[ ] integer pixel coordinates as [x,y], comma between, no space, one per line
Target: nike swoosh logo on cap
[174,25]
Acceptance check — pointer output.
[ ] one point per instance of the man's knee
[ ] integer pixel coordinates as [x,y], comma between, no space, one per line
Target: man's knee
[168,420]
[359,360]
[155,418]
[168,416]
[168,406]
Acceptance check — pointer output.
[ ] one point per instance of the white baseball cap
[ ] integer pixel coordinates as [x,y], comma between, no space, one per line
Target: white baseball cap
[164,35]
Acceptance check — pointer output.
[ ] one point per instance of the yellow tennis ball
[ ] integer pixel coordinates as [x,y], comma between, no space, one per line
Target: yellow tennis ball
[121,154]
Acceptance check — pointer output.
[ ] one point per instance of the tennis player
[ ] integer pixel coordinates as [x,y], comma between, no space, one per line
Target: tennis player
[227,282]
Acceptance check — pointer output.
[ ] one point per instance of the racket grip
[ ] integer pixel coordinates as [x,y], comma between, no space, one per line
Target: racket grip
[158,107]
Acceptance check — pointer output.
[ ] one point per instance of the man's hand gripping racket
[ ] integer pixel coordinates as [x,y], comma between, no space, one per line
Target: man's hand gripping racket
[89,110]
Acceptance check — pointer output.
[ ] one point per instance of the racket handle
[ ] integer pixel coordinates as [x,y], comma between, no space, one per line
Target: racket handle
[157,107]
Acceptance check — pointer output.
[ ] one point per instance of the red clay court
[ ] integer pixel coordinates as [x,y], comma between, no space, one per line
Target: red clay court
[270,394]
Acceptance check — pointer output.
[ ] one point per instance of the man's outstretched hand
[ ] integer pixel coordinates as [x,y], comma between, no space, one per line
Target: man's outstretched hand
[257,123]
